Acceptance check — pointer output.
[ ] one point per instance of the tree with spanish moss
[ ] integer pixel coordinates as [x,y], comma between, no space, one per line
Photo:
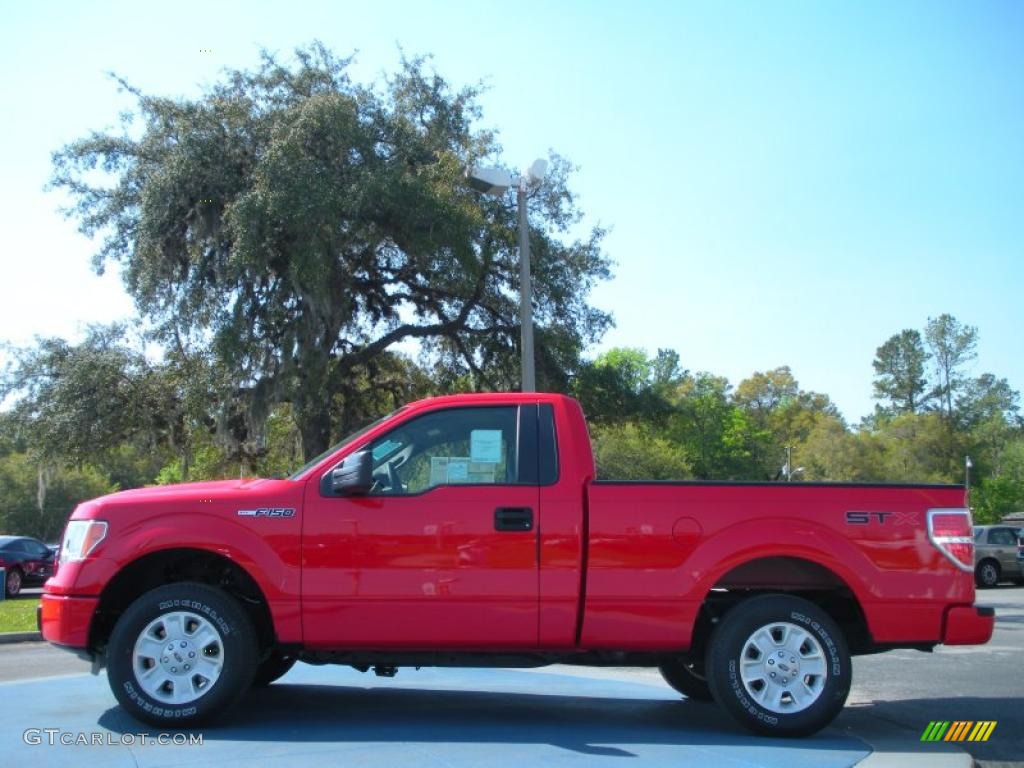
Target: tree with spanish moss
[297,226]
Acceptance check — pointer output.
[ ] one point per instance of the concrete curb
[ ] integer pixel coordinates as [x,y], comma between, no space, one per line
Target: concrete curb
[19,637]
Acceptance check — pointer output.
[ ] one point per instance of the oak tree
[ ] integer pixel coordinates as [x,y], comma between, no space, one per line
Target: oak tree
[299,225]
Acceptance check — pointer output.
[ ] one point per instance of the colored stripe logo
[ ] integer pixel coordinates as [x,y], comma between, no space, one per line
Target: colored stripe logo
[958,730]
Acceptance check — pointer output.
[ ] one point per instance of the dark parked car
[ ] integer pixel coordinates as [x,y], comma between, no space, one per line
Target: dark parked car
[998,554]
[28,561]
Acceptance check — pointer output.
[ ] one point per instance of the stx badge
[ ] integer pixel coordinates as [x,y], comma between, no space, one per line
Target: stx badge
[267,512]
[856,517]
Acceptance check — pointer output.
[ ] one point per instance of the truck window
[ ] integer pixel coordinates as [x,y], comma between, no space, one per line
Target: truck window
[456,446]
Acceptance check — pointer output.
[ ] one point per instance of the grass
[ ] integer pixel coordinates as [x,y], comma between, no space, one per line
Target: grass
[18,615]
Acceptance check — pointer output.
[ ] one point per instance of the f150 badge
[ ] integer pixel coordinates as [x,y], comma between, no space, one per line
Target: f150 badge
[267,512]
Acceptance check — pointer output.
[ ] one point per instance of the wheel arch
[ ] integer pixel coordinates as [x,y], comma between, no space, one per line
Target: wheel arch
[180,564]
[990,559]
[786,574]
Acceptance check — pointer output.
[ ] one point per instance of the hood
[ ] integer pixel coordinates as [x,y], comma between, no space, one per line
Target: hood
[211,489]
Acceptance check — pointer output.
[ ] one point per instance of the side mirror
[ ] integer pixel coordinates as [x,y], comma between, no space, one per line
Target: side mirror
[353,477]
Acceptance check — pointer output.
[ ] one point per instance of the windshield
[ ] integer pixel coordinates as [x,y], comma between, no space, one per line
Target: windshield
[341,444]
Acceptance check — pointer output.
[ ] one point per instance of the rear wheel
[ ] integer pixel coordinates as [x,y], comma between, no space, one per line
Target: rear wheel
[181,655]
[986,575]
[275,666]
[779,665]
[687,677]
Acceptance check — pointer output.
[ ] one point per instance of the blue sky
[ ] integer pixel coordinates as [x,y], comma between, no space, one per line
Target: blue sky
[786,183]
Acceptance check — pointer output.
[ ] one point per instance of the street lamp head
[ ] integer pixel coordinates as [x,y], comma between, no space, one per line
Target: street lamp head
[491,181]
[535,173]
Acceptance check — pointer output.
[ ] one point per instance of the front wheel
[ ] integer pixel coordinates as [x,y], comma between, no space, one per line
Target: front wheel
[181,655]
[779,665]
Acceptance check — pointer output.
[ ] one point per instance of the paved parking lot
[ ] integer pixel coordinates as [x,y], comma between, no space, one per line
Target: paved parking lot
[556,716]
[335,716]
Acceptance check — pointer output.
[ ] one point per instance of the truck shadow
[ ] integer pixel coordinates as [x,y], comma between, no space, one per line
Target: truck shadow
[297,713]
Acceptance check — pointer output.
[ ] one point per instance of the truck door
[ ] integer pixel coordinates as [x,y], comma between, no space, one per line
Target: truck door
[442,552]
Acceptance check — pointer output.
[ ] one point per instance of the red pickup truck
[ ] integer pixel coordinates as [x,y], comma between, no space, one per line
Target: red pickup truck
[470,531]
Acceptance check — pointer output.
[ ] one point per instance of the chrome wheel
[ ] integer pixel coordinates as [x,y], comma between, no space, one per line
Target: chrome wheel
[178,657]
[783,667]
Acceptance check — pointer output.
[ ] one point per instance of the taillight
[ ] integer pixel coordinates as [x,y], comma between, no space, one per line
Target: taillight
[952,533]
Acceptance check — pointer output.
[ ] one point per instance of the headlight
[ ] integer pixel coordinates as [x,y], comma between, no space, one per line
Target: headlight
[81,538]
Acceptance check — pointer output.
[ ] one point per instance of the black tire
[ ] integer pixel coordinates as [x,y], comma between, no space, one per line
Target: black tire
[209,663]
[272,668]
[762,637]
[986,574]
[13,582]
[687,677]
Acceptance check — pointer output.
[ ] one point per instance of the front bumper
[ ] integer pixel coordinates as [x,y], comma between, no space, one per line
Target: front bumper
[968,625]
[65,620]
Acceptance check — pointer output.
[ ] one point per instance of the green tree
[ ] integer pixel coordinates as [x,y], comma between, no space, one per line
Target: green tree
[900,372]
[916,448]
[986,398]
[702,420]
[952,345]
[79,402]
[36,500]
[1002,492]
[628,451]
[623,384]
[780,415]
[832,452]
[299,225]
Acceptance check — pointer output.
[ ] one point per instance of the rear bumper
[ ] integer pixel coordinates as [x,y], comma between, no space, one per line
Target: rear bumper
[968,625]
[66,620]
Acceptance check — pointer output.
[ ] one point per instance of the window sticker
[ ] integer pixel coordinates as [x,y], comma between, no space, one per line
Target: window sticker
[438,470]
[485,445]
[458,469]
[482,472]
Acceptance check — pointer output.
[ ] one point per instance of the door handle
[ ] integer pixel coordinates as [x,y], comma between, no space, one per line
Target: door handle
[513,519]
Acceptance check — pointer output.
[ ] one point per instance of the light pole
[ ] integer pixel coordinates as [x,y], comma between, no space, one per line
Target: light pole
[496,181]
[789,470]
